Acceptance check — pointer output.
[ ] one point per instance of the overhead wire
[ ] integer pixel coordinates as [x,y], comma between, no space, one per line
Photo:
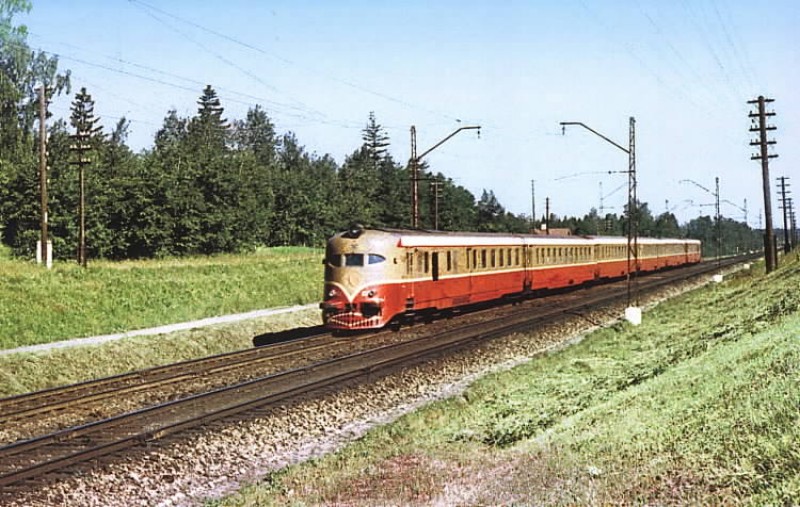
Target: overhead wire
[225,93]
[743,60]
[287,61]
[724,75]
[303,107]
[695,76]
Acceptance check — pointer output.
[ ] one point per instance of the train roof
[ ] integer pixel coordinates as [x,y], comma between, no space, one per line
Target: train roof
[422,238]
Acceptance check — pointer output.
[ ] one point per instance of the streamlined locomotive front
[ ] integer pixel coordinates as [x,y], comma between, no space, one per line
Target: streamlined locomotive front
[358,265]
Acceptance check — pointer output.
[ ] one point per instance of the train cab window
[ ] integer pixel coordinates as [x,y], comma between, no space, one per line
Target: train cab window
[354,259]
[335,260]
[375,258]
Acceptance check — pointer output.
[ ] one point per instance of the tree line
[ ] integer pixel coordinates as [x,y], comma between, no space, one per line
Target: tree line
[210,185]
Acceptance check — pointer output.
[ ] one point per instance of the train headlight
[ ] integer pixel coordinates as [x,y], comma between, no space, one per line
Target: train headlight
[368,293]
[332,293]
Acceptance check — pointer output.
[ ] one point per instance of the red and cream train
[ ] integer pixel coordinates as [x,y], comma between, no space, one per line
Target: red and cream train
[375,276]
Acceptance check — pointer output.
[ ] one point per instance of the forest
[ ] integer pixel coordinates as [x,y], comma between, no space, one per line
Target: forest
[211,184]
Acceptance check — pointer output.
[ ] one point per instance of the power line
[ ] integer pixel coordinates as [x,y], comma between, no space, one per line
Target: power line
[225,93]
[292,63]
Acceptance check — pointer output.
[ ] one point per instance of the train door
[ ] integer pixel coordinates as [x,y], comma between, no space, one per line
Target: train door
[435,265]
[527,282]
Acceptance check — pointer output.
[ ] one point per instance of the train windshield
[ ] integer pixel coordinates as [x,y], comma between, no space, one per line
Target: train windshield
[354,259]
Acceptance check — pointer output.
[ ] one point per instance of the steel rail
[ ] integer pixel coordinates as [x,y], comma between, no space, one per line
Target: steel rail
[14,408]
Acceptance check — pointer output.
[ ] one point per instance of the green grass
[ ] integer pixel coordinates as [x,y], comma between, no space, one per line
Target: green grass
[698,405]
[41,306]
[22,373]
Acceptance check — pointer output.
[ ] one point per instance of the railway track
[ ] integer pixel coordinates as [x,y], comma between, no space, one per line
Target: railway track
[16,408]
[32,459]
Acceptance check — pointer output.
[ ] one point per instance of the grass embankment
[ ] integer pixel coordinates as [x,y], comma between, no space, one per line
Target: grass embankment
[25,372]
[698,405]
[41,306]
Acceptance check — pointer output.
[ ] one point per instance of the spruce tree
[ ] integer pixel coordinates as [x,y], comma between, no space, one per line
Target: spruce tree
[375,139]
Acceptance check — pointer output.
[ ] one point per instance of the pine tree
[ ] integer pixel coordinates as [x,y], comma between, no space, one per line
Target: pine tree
[375,139]
[208,129]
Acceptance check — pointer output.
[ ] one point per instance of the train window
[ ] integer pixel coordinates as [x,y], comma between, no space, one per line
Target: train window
[409,263]
[375,258]
[502,258]
[508,256]
[426,258]
[335,260]
[474,259]
[353,259]
[483,258]
[492,256]
[516,256]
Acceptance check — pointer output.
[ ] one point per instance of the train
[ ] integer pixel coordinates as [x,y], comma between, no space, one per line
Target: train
[376,277]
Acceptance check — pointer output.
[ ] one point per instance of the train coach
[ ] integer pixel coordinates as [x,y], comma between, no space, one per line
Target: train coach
[377,276]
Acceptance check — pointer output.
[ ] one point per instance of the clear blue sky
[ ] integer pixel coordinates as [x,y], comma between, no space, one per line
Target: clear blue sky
[684,69]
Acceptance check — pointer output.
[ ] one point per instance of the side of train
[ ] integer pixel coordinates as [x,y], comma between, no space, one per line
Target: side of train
[373,276]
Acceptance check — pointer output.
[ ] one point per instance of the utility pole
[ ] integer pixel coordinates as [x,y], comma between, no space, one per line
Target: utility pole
[44,243]
[719,224]
[547,215]
[414,162]
[83,120]
[633,220]
[786,244]
[745,212]
[80,147]
[414,166]
[436,191]
[717,214]
[770,254]
[793,222]
[533,205]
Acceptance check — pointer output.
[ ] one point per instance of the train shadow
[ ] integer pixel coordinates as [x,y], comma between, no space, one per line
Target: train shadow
[288,335]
